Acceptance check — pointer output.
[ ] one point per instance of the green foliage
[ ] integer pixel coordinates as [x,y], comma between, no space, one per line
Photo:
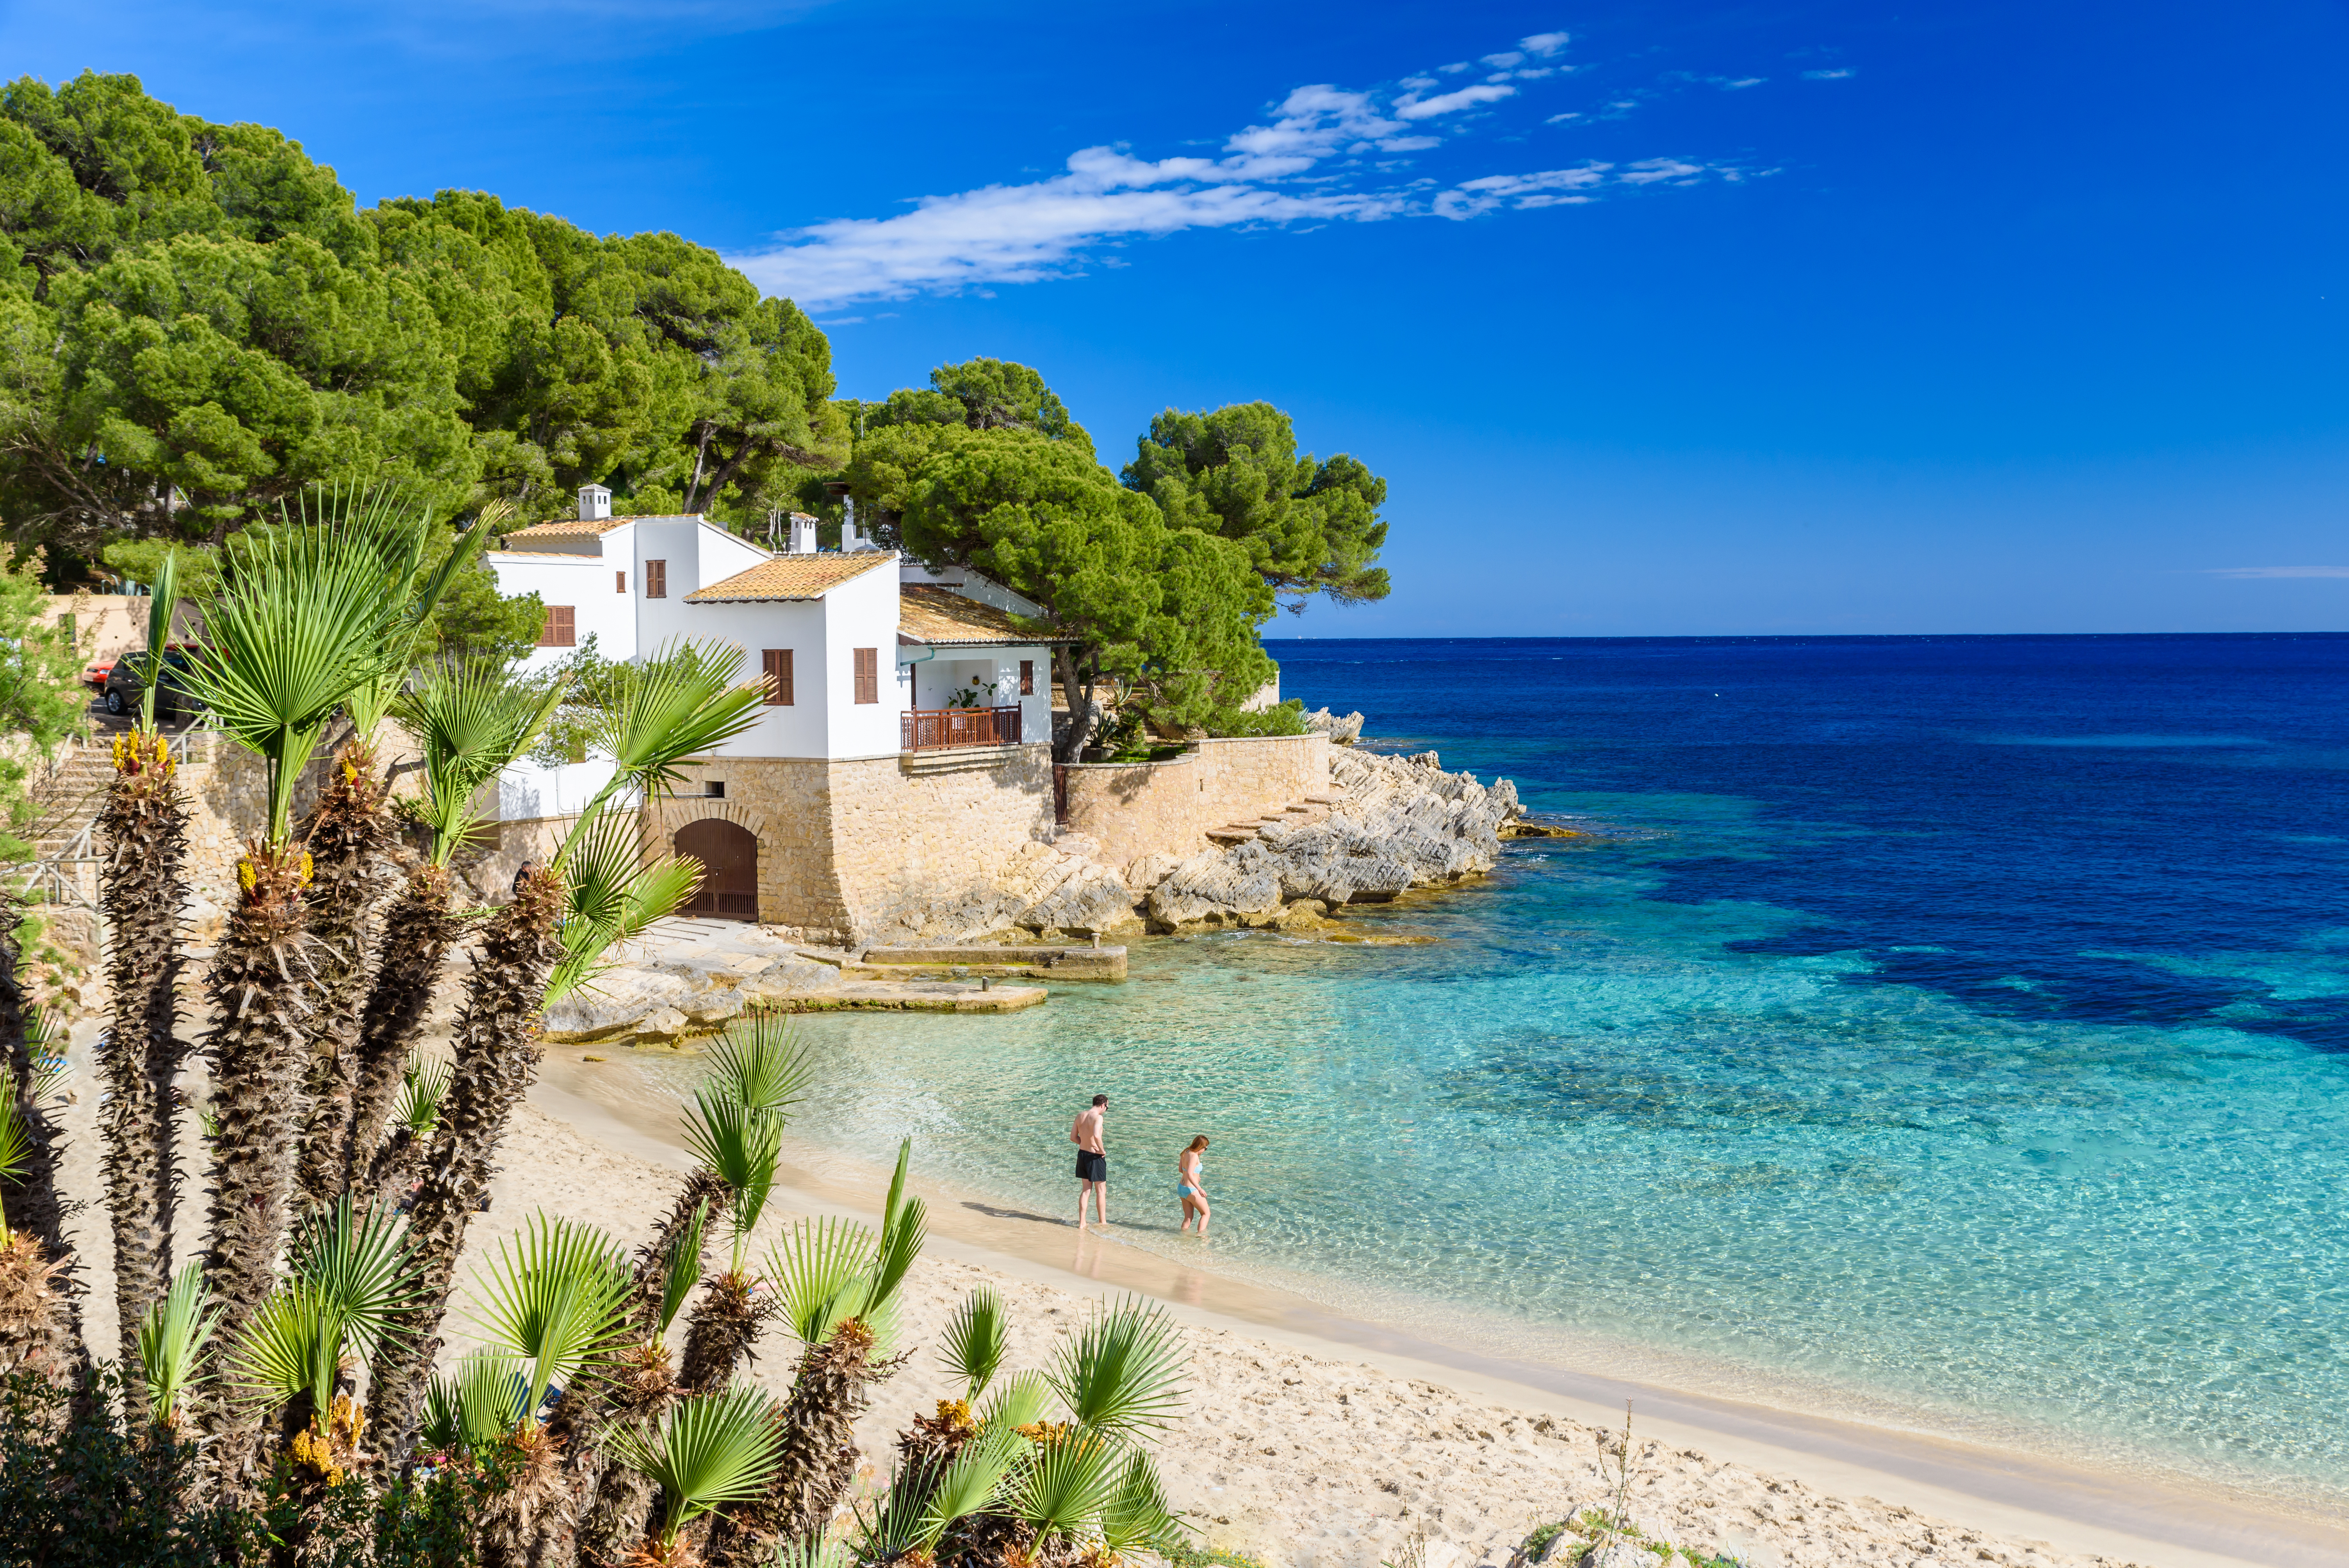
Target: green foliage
[205,308]
[611,897]
[424,1082]
[289,639]
[77,1489]
[470,719]
[1019,1400]
[555,1297]
[466,1413]
[819,1273]
[710,1450]
[681,1270]
[975,1341]
[979,394]
[1235,472]
[41,698]
[349,1280]
[762,1064]
[1123,1371]
[172,1339]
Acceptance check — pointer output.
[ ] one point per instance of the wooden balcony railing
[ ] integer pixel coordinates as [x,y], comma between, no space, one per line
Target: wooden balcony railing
[932,728]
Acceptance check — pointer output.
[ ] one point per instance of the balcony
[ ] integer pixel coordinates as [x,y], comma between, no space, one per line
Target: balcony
[938,728]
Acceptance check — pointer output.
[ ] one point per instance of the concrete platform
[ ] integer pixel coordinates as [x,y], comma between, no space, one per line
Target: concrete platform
[1037,963]
[913,996]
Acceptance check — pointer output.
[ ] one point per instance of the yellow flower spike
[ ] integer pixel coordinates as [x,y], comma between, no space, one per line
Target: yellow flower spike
[305,867]
[245,877]
[350,774]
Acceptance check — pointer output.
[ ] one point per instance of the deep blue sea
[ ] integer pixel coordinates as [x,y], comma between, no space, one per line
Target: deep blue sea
[1956,1028]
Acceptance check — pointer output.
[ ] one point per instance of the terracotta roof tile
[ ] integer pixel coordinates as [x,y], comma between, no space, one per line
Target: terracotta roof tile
[790,577]
[928,615]
[570,528]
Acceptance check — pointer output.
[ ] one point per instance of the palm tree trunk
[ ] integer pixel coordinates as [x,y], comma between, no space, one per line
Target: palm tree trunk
[144,827]
[718,1336]
[348,833]
[833,1388]
[417,932]
[29,1204]
[263,989]
[499,1045]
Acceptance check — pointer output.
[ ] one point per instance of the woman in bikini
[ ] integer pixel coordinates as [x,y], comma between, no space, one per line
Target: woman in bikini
[1188,1170]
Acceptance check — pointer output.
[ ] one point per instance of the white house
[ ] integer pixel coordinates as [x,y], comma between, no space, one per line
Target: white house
[869,659]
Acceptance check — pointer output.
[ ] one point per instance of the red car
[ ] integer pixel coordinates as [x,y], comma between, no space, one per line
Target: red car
[94,674]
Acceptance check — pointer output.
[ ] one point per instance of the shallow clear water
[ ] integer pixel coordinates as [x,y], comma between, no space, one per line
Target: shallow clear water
[1963,1023]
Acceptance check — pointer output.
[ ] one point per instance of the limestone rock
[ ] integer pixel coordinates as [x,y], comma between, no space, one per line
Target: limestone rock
[1343,729]
[1399,823]
[1093,900]
[1148,871]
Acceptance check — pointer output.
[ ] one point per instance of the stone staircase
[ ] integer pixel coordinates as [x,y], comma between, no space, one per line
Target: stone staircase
[1296,814]
[67,797]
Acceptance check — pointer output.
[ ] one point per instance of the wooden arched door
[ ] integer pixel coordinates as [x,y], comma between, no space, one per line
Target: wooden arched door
[730,859]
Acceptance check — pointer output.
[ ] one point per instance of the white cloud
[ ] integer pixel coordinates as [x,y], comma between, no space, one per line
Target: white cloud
[1732,84]
[1454,68]
[1563,118]
[1411,106]
[1503,61]
[1834,76]
[1544,45]
[2243,571]
[1105,196]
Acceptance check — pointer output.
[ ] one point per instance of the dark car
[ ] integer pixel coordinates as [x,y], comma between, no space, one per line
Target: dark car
[123,687]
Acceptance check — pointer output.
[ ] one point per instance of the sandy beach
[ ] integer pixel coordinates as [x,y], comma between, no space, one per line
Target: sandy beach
[1312,1442]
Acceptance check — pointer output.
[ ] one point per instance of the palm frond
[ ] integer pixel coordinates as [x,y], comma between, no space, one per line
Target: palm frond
[470,719]
[612,894]
[162,601]
[1067,1482]
[741,1146]
[293,1346]
[709,1450]
[291,635]
[897,1521]
[814,1551]
[683,701]
[819,1269]
[172,1339]
[468,1412]
[762,1064]
[555,1296]
[973,1481]
[975,1340]
[1122,1373]
[1137,1516]
[682,1270]
[356,1259]
[1019,1400]
[16,1139]
[45,1044]
[423,1084]
[901,1243]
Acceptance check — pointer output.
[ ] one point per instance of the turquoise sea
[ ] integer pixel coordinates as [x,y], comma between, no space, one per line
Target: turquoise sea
[1955,1029]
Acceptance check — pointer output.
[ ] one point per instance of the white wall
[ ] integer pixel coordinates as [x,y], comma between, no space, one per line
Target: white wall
[799,731]
[862,613]
[697,554]
[527,790]
[585,582]
[934,680]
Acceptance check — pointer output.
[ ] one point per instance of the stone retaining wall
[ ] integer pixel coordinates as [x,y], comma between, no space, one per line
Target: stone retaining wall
[1134,809]
[857,850]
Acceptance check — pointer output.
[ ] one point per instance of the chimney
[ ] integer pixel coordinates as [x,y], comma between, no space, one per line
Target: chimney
[595,504]
[802,538]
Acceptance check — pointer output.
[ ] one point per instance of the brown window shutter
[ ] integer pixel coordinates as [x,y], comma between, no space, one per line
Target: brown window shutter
[778,676]
[656,579]
[619,581]
[562,630]
[1027,677]
[868,675]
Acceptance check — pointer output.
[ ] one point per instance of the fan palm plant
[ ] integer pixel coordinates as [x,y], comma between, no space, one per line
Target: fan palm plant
[1122,1372]
[556,1304]
[172,1335]
[712,1450]
[142,829]
[470,719]
[975,1341]
[36,1331]
[680,703]
[298,627]
[415,1114]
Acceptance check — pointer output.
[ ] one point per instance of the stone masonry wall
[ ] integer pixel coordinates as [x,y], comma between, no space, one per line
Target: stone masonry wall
[874,848]
[1135,809]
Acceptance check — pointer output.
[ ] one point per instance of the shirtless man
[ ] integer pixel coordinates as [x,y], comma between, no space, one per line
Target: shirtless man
[1092,1160]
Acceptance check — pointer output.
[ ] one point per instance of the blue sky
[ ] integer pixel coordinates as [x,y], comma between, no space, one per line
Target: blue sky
[1958,317]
